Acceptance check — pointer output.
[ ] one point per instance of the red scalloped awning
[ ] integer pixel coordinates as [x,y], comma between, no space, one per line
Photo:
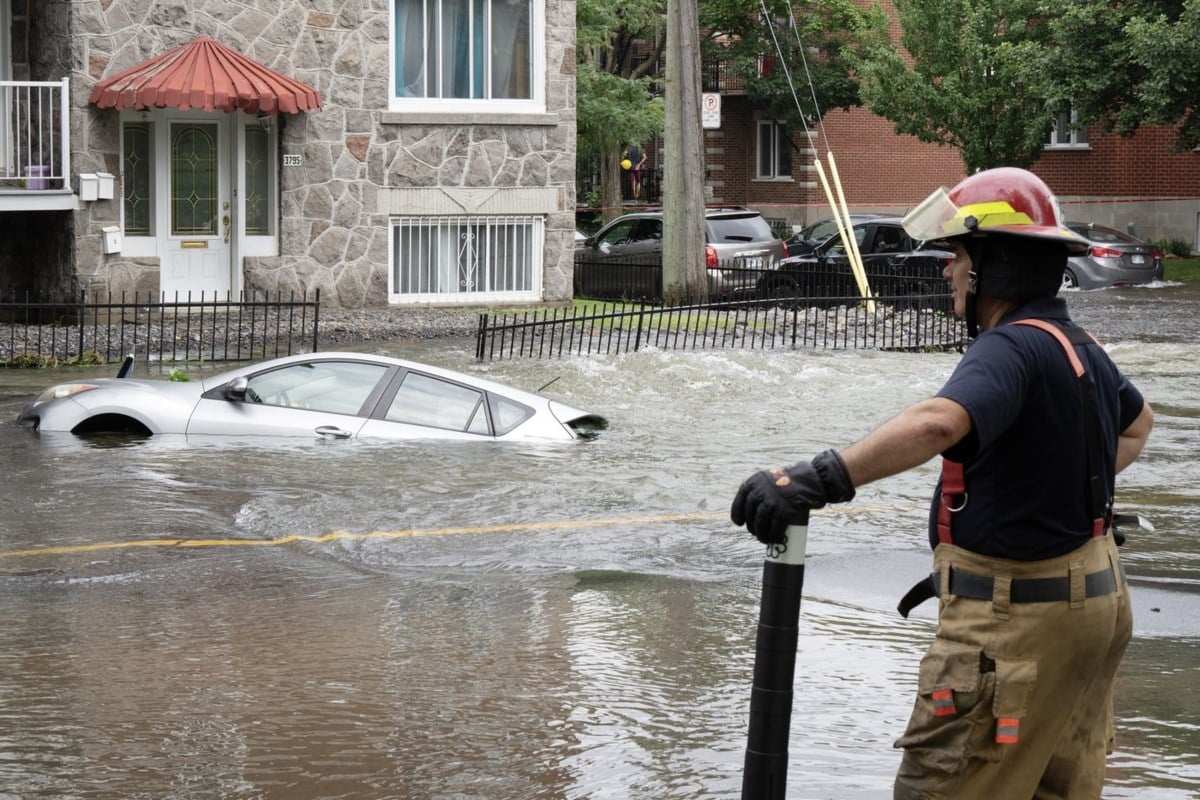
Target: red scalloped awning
[205,74]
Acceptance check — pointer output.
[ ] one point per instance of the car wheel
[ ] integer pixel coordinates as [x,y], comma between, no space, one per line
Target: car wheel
[1069,280]
[779,291]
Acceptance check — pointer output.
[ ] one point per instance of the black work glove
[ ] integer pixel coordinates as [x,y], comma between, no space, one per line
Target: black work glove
[770,500]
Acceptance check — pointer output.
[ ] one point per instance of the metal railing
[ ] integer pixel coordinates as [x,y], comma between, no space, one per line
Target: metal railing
[153,327]
[35,139]
[887,323]
[638,278]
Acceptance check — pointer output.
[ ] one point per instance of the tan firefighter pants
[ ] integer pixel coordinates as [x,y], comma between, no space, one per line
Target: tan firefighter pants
[1015,698]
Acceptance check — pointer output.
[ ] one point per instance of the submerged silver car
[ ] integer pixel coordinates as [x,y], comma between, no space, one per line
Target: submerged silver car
[1113,258]
[323,395]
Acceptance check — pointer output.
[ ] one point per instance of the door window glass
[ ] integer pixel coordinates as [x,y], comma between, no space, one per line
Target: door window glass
[424,400]
[137,162]
[648,231]
[259,209]
[194,180]
[339,387]
[620,233]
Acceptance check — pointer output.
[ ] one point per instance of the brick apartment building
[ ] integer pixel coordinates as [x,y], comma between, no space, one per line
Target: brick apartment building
[1102,178]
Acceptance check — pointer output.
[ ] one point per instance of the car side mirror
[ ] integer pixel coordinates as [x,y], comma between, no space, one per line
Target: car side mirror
[236,389]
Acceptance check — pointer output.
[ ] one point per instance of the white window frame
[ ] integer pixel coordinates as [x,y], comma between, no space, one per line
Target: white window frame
[1071,138]
[5,75]
[444,281]
[779,140]
[536,104]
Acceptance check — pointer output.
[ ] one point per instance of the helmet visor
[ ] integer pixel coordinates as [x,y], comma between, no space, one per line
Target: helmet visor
[927,221]
[937,217]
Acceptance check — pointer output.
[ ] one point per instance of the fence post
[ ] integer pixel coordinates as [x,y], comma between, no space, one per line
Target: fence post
[82,302]
[316,318]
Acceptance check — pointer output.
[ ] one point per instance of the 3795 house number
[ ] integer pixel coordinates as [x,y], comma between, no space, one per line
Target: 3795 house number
[291,159]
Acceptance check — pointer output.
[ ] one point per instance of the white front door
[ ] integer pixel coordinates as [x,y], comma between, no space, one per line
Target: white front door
[196,241]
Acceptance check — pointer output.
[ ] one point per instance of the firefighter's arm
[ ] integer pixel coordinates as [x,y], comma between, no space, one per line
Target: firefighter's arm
[1133,438]
[915,435]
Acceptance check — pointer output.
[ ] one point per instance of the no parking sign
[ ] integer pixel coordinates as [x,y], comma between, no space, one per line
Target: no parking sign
[710,110]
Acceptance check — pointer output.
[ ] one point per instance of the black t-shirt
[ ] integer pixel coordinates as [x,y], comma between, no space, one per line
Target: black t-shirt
[1025,461]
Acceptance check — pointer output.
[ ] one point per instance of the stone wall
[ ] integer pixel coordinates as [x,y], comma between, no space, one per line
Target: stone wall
[358,160]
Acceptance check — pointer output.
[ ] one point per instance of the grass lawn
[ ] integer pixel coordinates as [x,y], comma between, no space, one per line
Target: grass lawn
[1184,270]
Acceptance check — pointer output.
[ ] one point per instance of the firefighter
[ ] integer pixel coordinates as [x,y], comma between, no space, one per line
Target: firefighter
[1014,696]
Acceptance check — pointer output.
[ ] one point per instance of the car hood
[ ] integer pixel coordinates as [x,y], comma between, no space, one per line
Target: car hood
[162,406]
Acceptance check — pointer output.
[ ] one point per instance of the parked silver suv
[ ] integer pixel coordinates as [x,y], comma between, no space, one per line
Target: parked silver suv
[738,244]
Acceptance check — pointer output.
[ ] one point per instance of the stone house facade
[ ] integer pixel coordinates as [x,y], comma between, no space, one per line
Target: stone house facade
[438,168]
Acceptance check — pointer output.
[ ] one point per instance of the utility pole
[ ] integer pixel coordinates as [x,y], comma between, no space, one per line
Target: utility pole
[684,277]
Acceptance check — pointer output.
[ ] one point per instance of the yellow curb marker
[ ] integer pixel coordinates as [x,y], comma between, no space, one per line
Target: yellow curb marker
[349,536]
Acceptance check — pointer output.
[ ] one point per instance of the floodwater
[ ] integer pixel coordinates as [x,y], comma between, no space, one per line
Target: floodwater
[494,621]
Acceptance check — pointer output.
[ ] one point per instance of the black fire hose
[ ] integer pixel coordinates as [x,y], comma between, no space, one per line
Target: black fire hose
[765,774]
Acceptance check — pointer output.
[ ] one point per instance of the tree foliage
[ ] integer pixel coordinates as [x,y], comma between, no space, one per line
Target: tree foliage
[792,59]
[960,80]
[1125,64]
[618,48]
[618,84]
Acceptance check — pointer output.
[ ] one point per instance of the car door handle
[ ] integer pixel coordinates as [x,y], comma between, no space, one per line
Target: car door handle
[332,432]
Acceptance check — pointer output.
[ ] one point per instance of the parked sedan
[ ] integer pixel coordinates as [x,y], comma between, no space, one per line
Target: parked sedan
[323,395]
[808,238]
[624,258]
[1113,258]
[894,264]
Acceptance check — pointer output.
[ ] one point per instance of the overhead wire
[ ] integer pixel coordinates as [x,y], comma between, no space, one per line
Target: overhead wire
[838,205]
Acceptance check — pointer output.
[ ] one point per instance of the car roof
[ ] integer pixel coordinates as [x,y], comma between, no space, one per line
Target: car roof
[371,358]
[709,213]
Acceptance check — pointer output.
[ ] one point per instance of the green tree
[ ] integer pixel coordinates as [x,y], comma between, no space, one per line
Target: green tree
[960,80]
[770,57]
[618,49]
[1125,65]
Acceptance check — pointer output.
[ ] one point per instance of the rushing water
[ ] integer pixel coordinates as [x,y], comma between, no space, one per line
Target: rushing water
[493,621]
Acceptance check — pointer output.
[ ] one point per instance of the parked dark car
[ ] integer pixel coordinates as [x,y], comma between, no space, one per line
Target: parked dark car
[1113,258]
[894,264]
[809,237]
[624,258]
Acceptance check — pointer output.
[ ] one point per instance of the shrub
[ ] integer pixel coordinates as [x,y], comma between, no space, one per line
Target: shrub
[1176,247]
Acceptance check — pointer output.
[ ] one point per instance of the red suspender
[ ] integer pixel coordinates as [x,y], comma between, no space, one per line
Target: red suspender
[954,497]
[1057,333]
[954,489]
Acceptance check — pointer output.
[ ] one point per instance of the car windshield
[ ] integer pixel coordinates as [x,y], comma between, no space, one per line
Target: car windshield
[747,228]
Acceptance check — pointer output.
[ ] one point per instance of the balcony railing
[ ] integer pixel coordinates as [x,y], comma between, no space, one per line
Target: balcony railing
[35,142]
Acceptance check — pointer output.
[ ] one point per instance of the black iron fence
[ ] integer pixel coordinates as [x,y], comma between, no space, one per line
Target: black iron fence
[155,327]
[888,323]
[639,278]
